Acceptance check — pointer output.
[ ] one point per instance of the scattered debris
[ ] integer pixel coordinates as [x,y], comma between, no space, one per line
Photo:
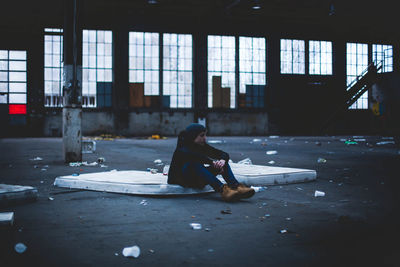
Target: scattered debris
[299,188]
[227,211]
[256,140]
[318,143]
[385,143]
[166,170]
[7,218]
[350,142]
[144,202]
[214,141]
[36,159]
[101,160]
[319,193]
[259,188]
[84,163]
[207,229]
[267,215]
[321,160]
[51,198]
[151,250]
[20,248]
[158,161]
[195,226]
[272,152]
[283,231]
[88,146]
[133,251]
[245,161]
[271,162]
[360,139]
[153,171]
[288,219]
[273,136]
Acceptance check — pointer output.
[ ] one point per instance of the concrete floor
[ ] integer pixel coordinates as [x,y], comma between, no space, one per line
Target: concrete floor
[355,224]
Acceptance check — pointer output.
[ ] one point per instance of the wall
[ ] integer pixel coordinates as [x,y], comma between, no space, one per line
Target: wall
[162,123]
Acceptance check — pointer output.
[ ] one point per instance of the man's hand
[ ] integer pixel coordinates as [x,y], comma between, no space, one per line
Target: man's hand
[219,165]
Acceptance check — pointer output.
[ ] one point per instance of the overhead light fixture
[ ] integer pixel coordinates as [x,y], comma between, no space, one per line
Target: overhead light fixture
[256,5]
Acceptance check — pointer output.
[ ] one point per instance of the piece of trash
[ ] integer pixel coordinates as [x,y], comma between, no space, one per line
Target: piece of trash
[283,231]
[7,218]
[75,164]
[271,162]
[267,215]
[20,248]
[207,229]
[75,174]
[165,170]
[360,139]
[88,146]
[157,161]
[259,188]
[195,226]
[319,193]
[41,182]
[318,143]
[214,141]
[256,140]
[226,211]
[299,188]
[103,166]
[385,143]
[36,159]
[349,142]
[321,160]
[272,152]
[288,219]
[43,169]
[273,136]
[151,250]
[143,202]
[245,161]
[51,198]
[133,251]
[101,160]
[116,254]
[153,171]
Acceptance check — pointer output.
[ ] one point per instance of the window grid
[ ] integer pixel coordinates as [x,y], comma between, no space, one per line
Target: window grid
[53,68]
[221,62]
[357,62]
[177,69]
[383,53]
[320,58]
[96,63]
[13,77]
[251,62]
[292,56]
[144,60]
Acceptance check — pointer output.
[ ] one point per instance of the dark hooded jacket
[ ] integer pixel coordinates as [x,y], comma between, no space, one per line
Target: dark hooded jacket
[188,151]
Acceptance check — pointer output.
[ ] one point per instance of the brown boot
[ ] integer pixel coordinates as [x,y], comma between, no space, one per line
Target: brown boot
[228,194]
[244,191]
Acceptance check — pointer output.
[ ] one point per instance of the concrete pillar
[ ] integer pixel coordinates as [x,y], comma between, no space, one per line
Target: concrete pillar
[72,78]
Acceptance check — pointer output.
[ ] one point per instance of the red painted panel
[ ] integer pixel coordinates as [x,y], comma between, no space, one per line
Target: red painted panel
[17,109]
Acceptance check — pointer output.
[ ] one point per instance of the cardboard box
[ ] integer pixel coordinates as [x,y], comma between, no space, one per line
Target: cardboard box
[216,92]
[226,97]
[136,95]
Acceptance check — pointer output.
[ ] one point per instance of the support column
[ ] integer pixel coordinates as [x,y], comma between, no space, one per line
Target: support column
[200,92]
[72,78]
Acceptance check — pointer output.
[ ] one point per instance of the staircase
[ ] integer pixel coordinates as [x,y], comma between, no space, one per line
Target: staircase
[355,90]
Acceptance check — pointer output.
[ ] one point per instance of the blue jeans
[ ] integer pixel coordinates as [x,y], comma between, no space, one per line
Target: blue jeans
[208,175]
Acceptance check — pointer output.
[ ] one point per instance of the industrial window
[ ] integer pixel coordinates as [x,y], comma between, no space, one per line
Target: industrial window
[177,69]
[13,86]
[144,60]
[53,67]
[221,71]
[320,57]
[252,74]
[96,68]
[384,54]
[357,63]
[292,56]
